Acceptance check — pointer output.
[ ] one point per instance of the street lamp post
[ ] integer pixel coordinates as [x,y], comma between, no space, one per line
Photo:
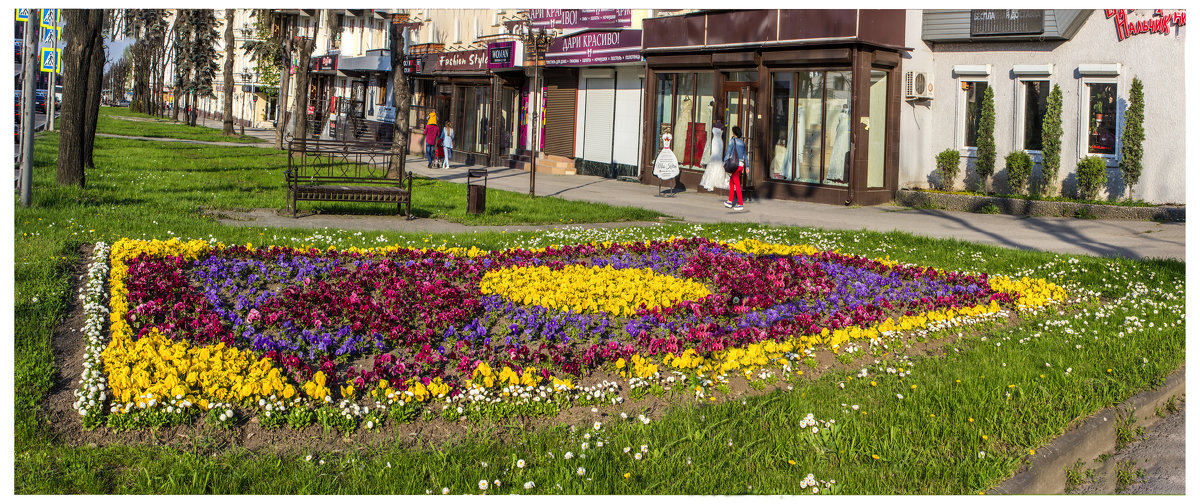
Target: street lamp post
[247,76]
[539,39]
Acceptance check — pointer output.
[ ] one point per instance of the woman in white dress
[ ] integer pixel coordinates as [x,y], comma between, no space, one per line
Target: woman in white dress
[714,174]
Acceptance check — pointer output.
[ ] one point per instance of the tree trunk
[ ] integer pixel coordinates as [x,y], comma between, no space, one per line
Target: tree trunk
[284,83]
[299,112]
[227,125]
[81,32]
[95,85]
[400,100]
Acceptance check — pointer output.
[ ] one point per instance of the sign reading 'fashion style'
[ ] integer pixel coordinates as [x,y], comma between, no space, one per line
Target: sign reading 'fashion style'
[581,18]
[462,60]
[596,48]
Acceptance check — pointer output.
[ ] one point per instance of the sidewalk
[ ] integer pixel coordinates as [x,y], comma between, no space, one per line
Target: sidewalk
[1106,238]
[1121,238]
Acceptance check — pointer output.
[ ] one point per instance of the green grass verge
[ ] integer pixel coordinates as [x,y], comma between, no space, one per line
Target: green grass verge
[1061,199]
[117,121]
[1014,387]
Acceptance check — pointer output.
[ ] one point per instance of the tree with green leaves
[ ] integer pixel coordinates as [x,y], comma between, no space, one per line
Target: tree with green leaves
[1052,131]
[1132,135]
[196,52]
[985,142]
[149,28]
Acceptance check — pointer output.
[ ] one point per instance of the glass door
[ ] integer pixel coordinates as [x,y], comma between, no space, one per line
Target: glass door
[740,108]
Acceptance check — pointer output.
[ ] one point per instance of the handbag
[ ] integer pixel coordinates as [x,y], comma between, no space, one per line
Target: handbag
[731,162]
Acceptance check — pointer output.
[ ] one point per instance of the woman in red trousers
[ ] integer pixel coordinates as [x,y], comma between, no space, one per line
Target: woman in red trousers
[737,147]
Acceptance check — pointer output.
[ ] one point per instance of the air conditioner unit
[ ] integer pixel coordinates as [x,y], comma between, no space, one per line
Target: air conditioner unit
[918,86]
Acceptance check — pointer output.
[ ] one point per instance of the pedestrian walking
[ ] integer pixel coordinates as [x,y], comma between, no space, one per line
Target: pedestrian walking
[737,150]
[431,139]
[447,144]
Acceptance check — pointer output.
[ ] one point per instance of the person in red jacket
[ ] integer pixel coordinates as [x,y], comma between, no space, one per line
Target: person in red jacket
[431,138]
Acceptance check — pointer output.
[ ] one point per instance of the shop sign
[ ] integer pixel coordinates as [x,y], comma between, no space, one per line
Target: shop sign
[503,54]
[1158,22]
[596,48]
[1006,21]
[581,18]
[462,60]
[328,62]
[414,65]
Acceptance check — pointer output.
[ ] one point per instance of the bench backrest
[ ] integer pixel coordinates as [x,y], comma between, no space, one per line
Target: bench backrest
[335,162]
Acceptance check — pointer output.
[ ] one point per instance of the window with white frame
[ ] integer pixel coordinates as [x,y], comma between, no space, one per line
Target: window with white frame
[972,99]
[1032,95]
[972,82]
[1099,95]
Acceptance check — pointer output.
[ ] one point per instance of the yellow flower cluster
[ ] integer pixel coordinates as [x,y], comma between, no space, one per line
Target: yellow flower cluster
[757,247]
[485,377]
[590,288]
[1031,293]
[316,387]
[154,366]
[639,367]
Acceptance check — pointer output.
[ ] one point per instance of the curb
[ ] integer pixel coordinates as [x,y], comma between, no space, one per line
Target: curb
[1096,435]
[1014,206]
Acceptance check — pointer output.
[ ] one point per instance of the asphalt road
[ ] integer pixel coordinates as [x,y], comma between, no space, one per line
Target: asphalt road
[1160,454]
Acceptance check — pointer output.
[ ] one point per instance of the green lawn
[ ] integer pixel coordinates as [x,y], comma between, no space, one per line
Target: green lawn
[122,121]
[1012,387]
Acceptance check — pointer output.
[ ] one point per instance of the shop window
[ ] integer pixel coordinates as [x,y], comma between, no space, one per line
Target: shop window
[381,93]
[751,76]
[783,125]
[973,102]
[1101,117]
[684,104]
[877,133]
[838,116]
[1033,111]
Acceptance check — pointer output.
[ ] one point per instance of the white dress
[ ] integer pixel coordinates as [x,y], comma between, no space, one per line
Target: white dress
[841,146]
[666,165]
[714,174]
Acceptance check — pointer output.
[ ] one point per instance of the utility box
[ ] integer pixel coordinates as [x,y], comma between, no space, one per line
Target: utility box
[476,190]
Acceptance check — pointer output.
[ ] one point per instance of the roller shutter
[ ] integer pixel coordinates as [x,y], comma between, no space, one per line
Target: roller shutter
[598,120]
[561,86]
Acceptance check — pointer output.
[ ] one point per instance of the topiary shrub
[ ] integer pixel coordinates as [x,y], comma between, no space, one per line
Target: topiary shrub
[985,143]
[1092,174]
[1132,137]
[947,168]
[1019,166]
[1052,131]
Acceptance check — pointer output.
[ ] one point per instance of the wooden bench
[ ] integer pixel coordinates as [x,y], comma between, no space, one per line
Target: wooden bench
[322,170]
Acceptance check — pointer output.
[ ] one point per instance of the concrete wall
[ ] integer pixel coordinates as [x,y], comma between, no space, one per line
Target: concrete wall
[929,126]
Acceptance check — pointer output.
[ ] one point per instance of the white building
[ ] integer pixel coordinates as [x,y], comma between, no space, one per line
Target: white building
[1092,55]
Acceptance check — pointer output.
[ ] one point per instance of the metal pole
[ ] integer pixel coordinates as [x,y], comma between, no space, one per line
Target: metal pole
[242,123]
[50,86]
[537,92]
[31,67]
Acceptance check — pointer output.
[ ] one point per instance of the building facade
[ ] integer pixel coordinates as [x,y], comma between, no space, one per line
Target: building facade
[815,93]
[1091,55]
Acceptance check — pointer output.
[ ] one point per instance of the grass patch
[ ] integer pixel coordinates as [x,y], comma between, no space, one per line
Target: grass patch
[122,121]
[1078,475]
[978,405]
[1128,474]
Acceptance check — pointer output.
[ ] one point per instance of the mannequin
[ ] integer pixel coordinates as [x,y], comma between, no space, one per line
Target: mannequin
[841,147]
[683,118]
[714,173]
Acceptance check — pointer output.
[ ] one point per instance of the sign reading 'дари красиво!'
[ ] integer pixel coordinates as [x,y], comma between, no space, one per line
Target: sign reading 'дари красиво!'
[596,48]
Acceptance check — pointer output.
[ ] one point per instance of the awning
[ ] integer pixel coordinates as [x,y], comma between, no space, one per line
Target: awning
[363,64]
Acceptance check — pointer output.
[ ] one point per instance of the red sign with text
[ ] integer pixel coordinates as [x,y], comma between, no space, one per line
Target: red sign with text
[1158,22]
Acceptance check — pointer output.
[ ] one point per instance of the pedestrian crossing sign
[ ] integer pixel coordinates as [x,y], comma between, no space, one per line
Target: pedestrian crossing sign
[51,17]
[51,59]
[50,35]
[22,15]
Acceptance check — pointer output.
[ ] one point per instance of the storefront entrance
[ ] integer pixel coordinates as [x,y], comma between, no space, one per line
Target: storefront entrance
[741,105]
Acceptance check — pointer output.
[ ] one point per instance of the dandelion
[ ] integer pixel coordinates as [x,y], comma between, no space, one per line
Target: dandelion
[1031,452]
[791,462]
[483,484]
[985,437]
[874,456]
[627,475]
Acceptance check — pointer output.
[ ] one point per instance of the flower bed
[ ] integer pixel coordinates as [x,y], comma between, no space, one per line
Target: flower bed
[363,335]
